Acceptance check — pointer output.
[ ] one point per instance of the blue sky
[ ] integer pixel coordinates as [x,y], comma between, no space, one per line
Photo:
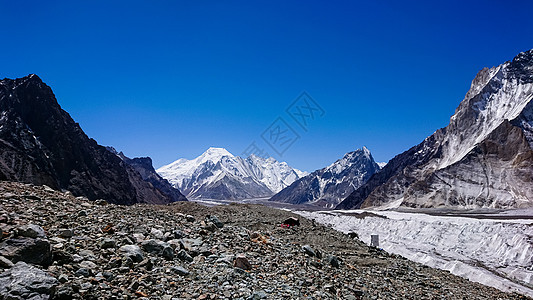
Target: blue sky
[168,79]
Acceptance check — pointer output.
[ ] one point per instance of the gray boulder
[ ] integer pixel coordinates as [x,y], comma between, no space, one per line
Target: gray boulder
[34,251]
[159,248]
[132,251]
[31,231]
[23,281]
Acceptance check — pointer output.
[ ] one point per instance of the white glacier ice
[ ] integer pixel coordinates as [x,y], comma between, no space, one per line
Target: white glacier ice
[492,251]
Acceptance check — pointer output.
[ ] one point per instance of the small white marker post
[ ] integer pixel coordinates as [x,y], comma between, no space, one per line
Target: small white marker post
[374,240]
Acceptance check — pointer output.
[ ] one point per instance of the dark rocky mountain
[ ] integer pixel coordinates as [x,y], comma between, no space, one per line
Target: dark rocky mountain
[41,144]
[327,187]
[483,158]
[144,166]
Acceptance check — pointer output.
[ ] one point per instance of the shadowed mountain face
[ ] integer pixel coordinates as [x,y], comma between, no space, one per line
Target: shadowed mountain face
[483,158]
[330,185]
[41,144]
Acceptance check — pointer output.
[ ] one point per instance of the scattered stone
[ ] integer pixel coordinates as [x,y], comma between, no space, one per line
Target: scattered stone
[158,234]
[5,263]
[62,278]
[159,248]
[258,295]
[132,251]
[83,272]
[180,270]
[34,251]
[309,250]
[215,220]
[190,218]
[31,231]
[333,261]
[242,262]
[184,256]
[66,233]
[178,234]
[87,264]
[291,221]
[100,202]
[108,243]
[24,281]
[64,292]
[168,253]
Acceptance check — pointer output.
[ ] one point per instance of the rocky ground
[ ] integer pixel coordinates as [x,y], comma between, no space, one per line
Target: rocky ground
[56,246]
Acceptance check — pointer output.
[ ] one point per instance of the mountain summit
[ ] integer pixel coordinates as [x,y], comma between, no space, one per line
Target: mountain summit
[218,174]
[41,144]
[330,185]
[483,158]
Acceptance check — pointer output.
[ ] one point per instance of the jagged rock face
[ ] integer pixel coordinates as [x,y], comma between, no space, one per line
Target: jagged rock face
[218,174]
[41,144]
[144,166]
[330,185]
[481,159]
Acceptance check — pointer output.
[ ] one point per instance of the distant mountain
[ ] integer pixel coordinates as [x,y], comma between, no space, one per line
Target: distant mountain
[329,186]
[483,158]
[218,174]
[41,144]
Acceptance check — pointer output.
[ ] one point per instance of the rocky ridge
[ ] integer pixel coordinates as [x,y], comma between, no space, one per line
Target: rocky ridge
[96,250]
[482,159]
[327,187]
[41,144]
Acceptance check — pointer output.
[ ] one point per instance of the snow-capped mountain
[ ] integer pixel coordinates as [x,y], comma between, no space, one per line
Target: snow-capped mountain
[483,158]
[218,174]
[330,185]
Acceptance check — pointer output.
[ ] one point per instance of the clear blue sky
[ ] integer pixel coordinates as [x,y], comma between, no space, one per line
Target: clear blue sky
[169,79]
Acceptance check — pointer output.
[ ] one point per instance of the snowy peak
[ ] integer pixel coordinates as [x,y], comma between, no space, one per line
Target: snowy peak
[215,154]
[481,159]
[218,174]
[330,185]
[275,175]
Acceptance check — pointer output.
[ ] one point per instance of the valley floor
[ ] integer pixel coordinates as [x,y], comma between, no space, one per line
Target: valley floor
[180,251]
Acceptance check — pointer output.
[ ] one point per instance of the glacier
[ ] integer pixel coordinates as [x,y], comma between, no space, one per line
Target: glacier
[492,249]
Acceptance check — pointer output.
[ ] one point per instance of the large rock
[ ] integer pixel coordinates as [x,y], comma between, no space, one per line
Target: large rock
[132,251]
[31,231]
[159,248]
[35,251]
[23,282]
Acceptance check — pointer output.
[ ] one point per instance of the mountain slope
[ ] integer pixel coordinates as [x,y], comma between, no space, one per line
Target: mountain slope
[144,166]
[330,185]
[481,159]
[41,144]
[218,174]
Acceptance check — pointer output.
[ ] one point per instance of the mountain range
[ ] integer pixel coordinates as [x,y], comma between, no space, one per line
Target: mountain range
[327,187]
[218,174]
[483,158]
[41,144]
